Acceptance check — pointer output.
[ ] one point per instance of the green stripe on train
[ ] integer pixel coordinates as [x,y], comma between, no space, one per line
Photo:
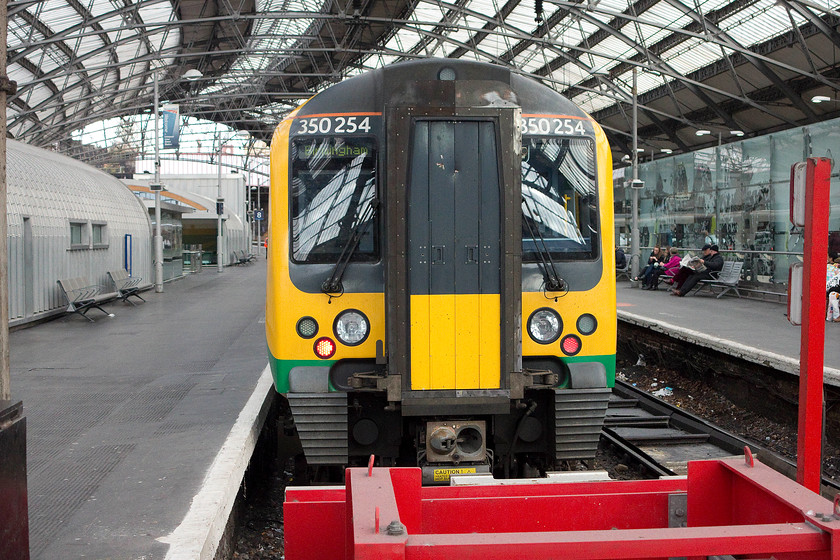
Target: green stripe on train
[280,368]
[607,360]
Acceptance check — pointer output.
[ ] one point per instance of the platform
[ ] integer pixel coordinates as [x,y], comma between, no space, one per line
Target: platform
[754,330]
[138,424]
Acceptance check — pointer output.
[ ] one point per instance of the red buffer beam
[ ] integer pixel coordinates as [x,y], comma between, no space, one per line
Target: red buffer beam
[732,508]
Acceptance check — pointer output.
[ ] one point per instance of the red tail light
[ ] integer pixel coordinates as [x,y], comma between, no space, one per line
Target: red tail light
[324,348]
[571,345]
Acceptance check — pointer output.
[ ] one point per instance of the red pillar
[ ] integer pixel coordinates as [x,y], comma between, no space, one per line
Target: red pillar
[812,344]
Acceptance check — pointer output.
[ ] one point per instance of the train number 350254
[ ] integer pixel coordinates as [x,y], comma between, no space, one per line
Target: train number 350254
[549,125]
[334,125]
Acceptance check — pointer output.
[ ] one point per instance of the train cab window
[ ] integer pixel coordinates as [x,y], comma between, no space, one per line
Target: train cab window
[333,192]
[559,199]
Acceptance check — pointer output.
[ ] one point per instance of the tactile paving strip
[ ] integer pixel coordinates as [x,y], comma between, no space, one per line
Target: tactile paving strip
[64,490]
[152,404]
[55,432]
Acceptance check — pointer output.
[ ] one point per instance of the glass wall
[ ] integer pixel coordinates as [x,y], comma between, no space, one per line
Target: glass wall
[735,195]
[171,233]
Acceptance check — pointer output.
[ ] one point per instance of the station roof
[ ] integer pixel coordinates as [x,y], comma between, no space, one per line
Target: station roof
[716,65]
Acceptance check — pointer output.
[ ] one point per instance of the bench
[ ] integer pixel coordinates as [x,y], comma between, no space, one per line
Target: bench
[727,278]
[626,270]
[125,285]
[241,257]
[82,296]
[665,279]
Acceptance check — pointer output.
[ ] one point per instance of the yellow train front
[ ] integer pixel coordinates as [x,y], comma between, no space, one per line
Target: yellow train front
[441,286]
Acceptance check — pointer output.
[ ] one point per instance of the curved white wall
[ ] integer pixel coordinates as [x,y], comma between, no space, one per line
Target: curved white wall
[49,191]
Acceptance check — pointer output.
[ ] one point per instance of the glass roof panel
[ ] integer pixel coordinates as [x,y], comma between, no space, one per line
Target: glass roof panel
[530,59]
[665,16]
[113,26]
[467,28]
[58,16]
[22,34]
[615,48]
[756,24]
[53,58]
[19,74]
[151,13]
[72,93]
[99,8]
[690,55]
[37,96]
[86,44]
[131,49]
[591,102]
[647,34]
[570,74]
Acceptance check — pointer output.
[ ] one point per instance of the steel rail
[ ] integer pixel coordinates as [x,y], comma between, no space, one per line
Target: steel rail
[679,419]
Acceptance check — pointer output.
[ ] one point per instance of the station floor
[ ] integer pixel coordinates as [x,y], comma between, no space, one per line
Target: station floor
[748,328]
[138,425]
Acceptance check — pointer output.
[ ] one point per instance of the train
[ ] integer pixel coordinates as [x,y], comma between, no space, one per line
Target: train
[441,272]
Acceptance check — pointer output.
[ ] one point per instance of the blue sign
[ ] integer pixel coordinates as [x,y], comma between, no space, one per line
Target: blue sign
[171,130]
[258,215]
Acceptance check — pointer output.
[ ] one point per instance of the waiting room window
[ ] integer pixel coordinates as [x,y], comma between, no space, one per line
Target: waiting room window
[99,235]
[77,230]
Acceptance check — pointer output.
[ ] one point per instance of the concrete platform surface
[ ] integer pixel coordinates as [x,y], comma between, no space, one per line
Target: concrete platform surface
[754,330]
[128,417]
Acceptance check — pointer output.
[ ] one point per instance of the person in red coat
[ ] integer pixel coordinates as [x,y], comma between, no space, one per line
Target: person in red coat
[668,268]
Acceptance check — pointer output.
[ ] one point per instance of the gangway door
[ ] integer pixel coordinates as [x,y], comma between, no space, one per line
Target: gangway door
[453,254]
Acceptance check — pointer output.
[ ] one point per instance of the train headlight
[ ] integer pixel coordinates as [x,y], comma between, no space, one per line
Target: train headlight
[324,348]
[307,327]
[571,345]
[351,327]
[586,324]
[545,325]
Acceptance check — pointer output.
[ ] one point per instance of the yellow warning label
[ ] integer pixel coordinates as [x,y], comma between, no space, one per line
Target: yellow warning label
[442,475]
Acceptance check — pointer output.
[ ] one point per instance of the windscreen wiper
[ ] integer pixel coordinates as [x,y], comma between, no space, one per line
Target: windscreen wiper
[332,286]
[553,282]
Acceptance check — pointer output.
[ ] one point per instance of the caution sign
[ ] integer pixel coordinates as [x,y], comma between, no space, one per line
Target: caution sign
[442,475]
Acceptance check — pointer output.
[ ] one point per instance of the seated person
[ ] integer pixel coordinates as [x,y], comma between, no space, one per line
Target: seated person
[655,258]
[668,268]
[687,277]
[620,259]
[832,290]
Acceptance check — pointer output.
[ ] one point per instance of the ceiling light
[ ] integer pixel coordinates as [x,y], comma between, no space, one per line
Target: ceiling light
[192,74]
[703,132]
[736,132]
[666,150]
[820,98]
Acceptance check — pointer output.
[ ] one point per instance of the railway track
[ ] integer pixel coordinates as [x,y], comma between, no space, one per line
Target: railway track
[663,437]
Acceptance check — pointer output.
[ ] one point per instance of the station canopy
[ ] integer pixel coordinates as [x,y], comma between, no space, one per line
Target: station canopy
[722,66]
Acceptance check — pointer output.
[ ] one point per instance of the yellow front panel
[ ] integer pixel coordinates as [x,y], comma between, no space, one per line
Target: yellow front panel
[455,342]
[441,341]
[420,342]
[468,360]
[490,345]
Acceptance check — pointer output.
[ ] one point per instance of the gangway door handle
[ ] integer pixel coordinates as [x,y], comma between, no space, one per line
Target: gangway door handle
[472,254]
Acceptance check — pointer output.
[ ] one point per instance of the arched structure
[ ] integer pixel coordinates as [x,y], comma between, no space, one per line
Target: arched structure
[65,220]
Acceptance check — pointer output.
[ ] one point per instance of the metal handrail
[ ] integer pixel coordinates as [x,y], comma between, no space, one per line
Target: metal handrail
[740,251]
